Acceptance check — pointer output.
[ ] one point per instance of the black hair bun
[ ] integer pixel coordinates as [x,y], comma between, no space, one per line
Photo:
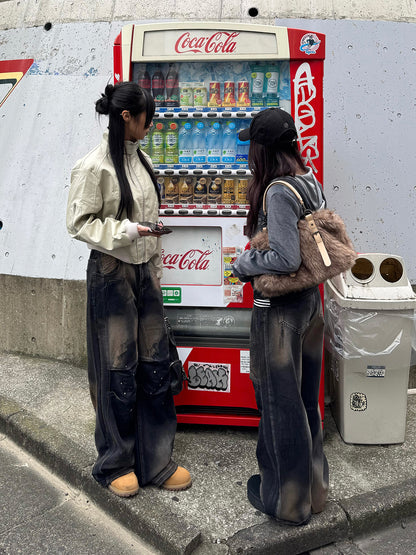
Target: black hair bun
[102,106]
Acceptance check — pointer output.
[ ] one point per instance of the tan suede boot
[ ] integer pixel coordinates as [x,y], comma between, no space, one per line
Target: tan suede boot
[125,486]
[180,480]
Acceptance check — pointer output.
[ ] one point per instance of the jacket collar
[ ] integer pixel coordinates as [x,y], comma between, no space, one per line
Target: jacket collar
[129,146]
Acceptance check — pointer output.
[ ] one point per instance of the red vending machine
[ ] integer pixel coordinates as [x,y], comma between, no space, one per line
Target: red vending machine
[208,80]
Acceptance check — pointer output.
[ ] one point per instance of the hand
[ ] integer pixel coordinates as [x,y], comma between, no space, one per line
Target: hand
[145,231]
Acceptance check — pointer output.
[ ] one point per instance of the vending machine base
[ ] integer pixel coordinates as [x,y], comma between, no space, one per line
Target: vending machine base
[219,390]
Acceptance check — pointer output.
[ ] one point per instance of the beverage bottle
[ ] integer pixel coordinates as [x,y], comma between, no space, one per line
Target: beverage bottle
[185,143]
[229,93]
[284,86]
[228,143]
[172,144]
[145,144]
[186,190]
[158,88]
[201,191]
[143,78]
[199,155]
[241,155]
[215,191]
[228,191]
[214,143]
[257,85]
[172,87]
[172,190]
[161,185]
[272,86]
[157,144]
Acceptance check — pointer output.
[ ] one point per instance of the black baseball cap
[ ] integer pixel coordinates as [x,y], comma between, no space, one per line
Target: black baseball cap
[270,126]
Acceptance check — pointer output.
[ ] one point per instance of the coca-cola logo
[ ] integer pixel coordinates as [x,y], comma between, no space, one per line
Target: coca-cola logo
[221,42]
[194,259]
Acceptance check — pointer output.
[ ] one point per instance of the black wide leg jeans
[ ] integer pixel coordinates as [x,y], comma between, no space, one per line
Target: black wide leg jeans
[285,368]
[128,372]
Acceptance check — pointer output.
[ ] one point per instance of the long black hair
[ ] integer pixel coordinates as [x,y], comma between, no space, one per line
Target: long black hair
[268,162]
[125,96]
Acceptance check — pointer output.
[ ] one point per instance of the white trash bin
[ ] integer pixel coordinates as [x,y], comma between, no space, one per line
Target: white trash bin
[369,328]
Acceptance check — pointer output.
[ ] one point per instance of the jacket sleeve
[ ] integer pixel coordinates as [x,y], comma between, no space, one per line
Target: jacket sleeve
[85,201]
[283,213]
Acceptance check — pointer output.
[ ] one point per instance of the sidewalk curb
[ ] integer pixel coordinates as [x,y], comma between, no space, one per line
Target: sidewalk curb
[63,457]
[342,520]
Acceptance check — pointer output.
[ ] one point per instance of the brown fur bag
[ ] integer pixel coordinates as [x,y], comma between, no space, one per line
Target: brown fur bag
[316,266]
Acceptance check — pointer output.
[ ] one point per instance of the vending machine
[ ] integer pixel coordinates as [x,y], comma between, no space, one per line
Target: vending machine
[208,80]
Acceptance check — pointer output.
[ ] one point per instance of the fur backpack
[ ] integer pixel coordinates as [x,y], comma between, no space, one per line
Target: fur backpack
[326,250]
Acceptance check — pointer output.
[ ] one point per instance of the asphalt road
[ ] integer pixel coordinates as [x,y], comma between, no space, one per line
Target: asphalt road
[41,514]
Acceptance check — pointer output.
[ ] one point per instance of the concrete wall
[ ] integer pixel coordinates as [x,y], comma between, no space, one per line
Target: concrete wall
[48,122]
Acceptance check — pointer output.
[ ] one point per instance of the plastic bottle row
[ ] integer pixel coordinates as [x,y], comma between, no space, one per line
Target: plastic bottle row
[203,190]
[258,86]
[196,142]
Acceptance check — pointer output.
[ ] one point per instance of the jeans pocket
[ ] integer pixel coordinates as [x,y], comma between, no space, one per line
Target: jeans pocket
[123,399]
[108,264]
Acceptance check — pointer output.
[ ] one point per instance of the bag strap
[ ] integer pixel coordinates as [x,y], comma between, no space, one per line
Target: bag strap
[308,217]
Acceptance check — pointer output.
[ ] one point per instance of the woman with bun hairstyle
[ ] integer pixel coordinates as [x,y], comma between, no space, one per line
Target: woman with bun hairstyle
[113,196]
[286,331]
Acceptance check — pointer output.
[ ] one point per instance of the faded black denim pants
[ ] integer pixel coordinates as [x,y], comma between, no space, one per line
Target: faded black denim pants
[286,358]
[128,372]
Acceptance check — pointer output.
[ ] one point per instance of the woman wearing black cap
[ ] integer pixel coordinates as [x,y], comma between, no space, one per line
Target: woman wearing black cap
[286,331]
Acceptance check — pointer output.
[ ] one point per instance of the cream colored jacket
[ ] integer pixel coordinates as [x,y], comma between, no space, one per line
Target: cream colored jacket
[93,202]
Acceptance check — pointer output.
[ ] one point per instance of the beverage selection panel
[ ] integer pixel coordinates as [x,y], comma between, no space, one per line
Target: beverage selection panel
[200,108]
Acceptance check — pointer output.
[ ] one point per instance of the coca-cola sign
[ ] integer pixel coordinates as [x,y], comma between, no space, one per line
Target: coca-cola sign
[219,42]
[191,255]
[193,259]
[200,43]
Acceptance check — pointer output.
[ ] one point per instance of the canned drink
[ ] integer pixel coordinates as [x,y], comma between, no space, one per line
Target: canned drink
[201,191]
[215,191]
[228,191]
[186,190]
[200,95]
[172,190]
[242,191]
[243,93]
[229,94]
[186,95]
[161,185]
[214,94]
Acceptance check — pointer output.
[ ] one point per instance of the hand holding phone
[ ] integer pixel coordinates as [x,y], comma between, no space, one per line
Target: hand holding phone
[156,229]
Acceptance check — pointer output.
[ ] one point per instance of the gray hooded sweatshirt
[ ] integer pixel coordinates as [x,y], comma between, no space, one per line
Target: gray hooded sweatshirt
[283,214]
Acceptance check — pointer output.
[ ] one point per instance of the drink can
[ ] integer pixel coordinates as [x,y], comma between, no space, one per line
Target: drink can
[243,93]
[214,94]
[186,94]
[161,185]
[200,95]
[172,190]
[228,191]
[242,185]
[229,93]
[201,191]
[215,191]
[186,190]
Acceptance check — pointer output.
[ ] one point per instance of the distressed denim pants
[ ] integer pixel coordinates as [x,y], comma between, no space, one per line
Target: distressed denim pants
[128,372]
[286,358]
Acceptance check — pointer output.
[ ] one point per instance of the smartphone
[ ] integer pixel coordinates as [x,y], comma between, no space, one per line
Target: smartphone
[157,229]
